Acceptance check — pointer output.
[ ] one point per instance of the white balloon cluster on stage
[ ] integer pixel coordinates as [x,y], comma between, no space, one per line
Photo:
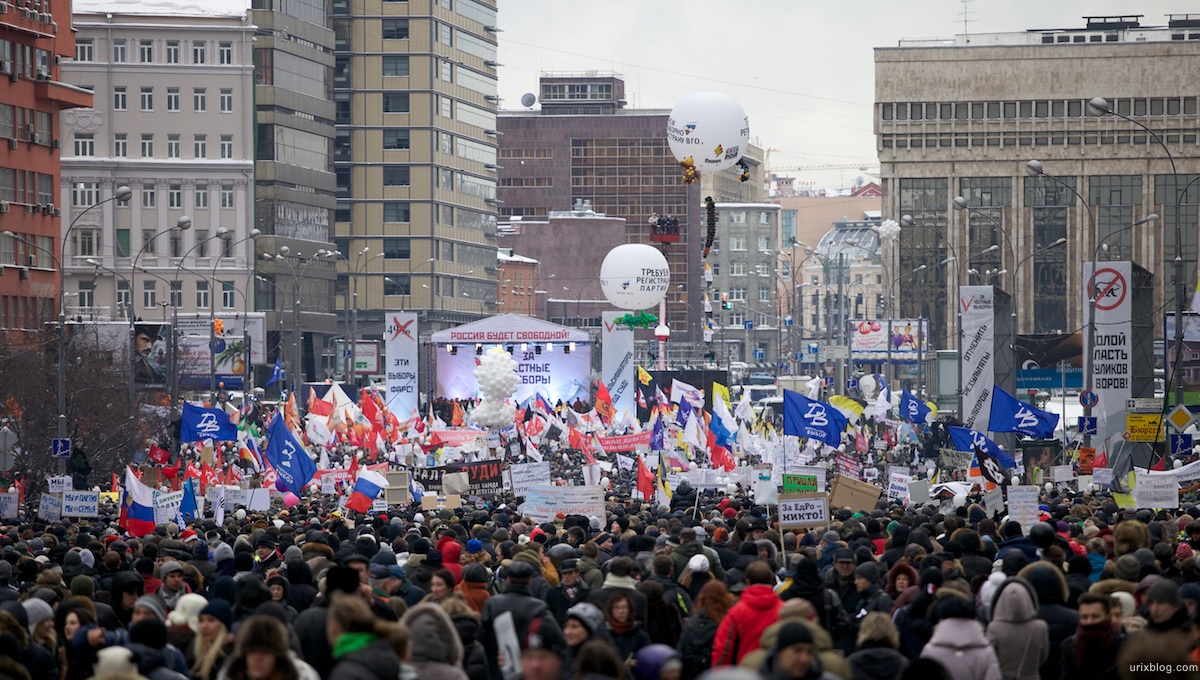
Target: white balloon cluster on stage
[498,382]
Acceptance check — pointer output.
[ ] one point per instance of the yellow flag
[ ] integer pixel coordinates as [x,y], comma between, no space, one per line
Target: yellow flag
[722,392]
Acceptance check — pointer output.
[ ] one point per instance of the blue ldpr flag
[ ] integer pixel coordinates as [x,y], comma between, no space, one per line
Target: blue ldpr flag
[913,410]
[277,374]
[201,423]
[968,440]
[290,460]
[1010,414]
[812,419]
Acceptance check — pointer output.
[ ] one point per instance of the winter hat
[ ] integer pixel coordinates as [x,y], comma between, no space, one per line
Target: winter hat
[154,604]
[589,615]
[219,610]
[698,564]
[116,661]
[169,568]
[1126,601]
[1164,590]
[1090,530]
[83,585]
[720,535]
[792,633]
[187,611]
[868,571]
[831,537]
[36,611]
[432,635]
[1079,564]
[474,546]
[475,573]
[1126,568]
[222,553]
[1183,552]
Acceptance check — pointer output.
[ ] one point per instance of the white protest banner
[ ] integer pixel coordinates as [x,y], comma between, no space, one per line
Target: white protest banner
[529,474]
[1023,505]
[765,492]
[624,462]
[1156,491]
[814,470]
[1102,477]
[59,484]
[80,503]
[542,503]
[10,505]
[803,511]
[328,486]
[166,506]
[592,475]
[978,315]
[918,491]
[50,509]
[257,499]
[870,474]
[379,505]
[1062,473]
[993,501]
[617,362]
[403,356]
[898,486]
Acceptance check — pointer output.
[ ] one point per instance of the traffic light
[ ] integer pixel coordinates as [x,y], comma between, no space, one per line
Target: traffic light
[725,304]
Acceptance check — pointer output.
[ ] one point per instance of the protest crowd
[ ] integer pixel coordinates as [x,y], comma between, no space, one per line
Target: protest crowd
[687,568]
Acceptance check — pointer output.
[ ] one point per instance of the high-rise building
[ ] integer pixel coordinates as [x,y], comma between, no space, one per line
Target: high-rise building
[964,117]
[171,121]
[415,159]
[33,40]
[747,292]
[294,182]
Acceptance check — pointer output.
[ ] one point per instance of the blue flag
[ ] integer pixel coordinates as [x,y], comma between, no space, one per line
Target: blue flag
[656,437]
[187,509]
[969,440]
[812,419]
[681,416]
[1010,414]
[277,373]
[201,423]
[722,434]
[290,460]
[414,491]
[913,410]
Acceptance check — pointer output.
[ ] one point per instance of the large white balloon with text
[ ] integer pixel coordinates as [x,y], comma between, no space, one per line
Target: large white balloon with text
[635,276]
[711,128]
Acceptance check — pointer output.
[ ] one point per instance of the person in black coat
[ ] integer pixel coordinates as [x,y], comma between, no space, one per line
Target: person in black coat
[302,591]
[899,540]
[570,591]
[1079,581]
[527,613]
[1091,653]
[974,562]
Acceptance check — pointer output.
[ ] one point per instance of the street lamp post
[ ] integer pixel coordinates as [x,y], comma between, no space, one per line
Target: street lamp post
[907,221]
[122,193]
[212,338]
[296,272]
[179,269]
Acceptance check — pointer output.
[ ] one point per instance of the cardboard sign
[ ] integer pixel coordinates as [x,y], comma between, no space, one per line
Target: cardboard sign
[1156,491]
[397,491]
[50,509]
[166,506]
[458,483]
[59,484]
[993,501]
[10,505]
[1102,477]
[853,494]
[379,505]
[1023,505]
[803,511]
[447,502]
[80,503]
[542,503]
[1062,473]
[328,486]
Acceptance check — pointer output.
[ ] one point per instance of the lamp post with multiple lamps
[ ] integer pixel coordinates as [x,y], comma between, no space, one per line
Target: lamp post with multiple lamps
[296,270]
[907,222]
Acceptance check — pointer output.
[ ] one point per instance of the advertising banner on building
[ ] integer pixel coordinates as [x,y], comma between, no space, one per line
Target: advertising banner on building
[1189,365]
[616,363]
[1112,352]
[977,307]
[242,339]
[878,340]
[403,352]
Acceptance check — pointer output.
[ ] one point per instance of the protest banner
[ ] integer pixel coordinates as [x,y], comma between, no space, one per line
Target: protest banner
[898,486]
[993,501]
[918,491]
[626,442]
[542,503]
[50,509]
[803,511]
[811,478]
[1102,477]
[1156,491]
[10,505]
[59,484]
[1023,505]
[1062,473]
[80,503]
[166,506]
[486,478]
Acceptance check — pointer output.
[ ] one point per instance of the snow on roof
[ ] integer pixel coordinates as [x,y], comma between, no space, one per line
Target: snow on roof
[203,8]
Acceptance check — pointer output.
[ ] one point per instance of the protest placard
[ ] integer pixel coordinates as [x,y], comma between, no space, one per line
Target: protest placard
[80,503]
[1023,505]
[803,511]
[804,478]
[10,505]
[993,501]
[166,506]
[50,509]
[1102,477]
[853,494]
[1062,473]
[898,486]
[59,484]
[1156,491]
[918,491]
[529,474]
[542,503]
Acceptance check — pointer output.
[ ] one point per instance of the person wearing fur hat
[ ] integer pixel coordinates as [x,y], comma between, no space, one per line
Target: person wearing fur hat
[436,647]
[260,652]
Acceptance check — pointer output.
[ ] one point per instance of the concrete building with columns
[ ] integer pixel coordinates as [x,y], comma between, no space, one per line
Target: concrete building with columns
[170,120]
[964,116]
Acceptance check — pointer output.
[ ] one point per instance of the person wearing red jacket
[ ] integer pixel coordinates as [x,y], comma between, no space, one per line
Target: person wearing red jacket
[742,628]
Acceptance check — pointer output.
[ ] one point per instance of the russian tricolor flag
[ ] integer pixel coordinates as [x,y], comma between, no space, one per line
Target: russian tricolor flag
[368,487]
[542,405]
[137,506]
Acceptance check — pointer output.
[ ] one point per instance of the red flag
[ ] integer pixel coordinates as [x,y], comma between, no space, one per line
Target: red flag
[114,483]
[353,466]
[370,410]
[1100,461]
[208,477]
[645,480]
[604,404]
[317,406]
[860,442]
[160,456]
[192,472]
[1159,466]
[269,475]
[173,471]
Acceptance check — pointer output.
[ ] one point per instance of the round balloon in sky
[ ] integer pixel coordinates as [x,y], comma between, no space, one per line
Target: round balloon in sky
[635,276]
[711,128]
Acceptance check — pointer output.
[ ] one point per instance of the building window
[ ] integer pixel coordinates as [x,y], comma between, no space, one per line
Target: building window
[737,217]
[447,71]
[87,294]
[199,52]
[395,29]
[226,146]
[176,292]
[148,241]
[228,295]
[737,294]
[175,196]
[225,53]
[764,294]
[395,102]
[85,50]
[200,146]
[737,268]
[147,98]
[201,196]
[172,51]
[124,298]
[226,100]
[173,146]
[447,107]
[226,195]
[446,34]
[121,145]
[395,138]
[85,194]
[397,284]
[737,243]
[202,243]
[202,294]
[764,243]
[119,54]
[149,197]
[120,99]
[85,144]
[172,98]
[395,211]
[396,249]
[145,51]
[149,294]
[147,145]
[395,65]
[199,100]
[395,175]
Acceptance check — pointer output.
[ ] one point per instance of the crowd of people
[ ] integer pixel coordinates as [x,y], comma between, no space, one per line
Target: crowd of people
[707,585]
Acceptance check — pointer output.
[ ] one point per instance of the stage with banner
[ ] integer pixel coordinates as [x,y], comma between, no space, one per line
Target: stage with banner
[553,360]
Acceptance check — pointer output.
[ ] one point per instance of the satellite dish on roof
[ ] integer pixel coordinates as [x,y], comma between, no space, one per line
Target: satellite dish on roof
[528,100]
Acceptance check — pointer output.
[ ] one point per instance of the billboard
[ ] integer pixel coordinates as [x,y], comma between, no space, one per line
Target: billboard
[880,340]
[1189,366]
[977,306]
[403,357]
[243,337]
[152,361]
[1050,361]
[616,363]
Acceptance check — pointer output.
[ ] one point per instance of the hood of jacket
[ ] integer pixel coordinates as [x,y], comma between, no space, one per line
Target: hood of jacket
[432,635]
[1015,602]
[1048,582]
[958,634]
[902,568]
[299,573]
[877,663]
[759,597]
[467,627]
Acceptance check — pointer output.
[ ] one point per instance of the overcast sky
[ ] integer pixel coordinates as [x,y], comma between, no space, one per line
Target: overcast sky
[804,69]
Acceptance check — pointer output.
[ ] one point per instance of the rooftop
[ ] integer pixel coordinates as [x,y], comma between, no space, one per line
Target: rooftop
[1096,30]
[198,8]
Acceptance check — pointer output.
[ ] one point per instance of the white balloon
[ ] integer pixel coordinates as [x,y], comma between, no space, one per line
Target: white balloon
[1049,486]
[960,499]
[1016,480]
[866,385]
[605,481]
[709,127]
[240,514]
[635,276]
